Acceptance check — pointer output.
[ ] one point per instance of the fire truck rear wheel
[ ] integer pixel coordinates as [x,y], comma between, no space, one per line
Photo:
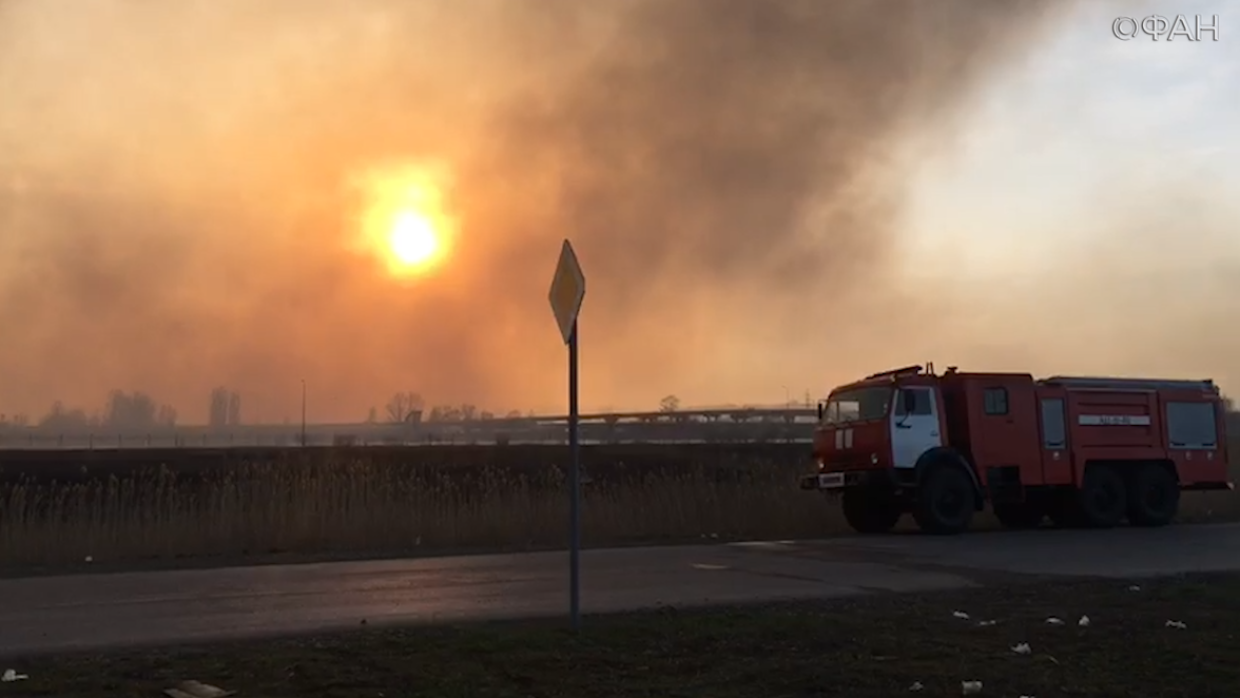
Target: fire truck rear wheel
[1153,496]
[945,502]
[870,510]
[1103,498]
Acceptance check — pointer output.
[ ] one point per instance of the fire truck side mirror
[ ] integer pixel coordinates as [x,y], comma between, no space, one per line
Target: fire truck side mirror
[822,409]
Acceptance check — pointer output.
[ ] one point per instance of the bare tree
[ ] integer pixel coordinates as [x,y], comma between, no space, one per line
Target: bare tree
[129,410]
[446,413]
[372,416]
[166,416]
[468,412]
[64,419]
[234,408]
[122,410]
[225,408]
[671,403]
[403,405]
[217,411]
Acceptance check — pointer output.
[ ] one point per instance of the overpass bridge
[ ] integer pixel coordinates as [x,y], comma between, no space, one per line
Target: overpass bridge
[727,425]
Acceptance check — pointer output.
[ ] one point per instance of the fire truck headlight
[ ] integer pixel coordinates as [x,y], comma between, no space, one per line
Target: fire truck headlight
[873,459]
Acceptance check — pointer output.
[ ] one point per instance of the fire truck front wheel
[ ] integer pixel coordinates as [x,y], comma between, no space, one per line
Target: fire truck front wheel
[1103,497]
[946,501]
[870,510]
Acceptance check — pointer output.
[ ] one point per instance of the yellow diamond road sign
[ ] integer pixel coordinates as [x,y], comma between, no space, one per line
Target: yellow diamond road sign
[568,288]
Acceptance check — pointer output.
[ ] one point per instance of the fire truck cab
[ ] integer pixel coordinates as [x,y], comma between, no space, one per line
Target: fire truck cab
[1082,451]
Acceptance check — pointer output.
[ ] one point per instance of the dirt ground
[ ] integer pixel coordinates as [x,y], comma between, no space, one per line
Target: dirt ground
[881,645]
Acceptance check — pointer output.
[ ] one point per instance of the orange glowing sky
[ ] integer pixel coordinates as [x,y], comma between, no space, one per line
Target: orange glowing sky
[767,199]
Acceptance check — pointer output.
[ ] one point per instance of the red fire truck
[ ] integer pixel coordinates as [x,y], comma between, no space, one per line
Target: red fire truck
[1081,451]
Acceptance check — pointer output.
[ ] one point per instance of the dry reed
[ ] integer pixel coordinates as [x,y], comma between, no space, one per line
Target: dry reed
[355,507]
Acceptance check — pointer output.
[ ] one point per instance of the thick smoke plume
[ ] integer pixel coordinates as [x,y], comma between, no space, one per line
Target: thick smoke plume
[175,211]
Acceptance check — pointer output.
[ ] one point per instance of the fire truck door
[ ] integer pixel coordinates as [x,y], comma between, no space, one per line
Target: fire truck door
[916,431]
[1056,459]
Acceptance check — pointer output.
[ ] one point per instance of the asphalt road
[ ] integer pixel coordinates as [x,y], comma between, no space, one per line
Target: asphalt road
[139,608]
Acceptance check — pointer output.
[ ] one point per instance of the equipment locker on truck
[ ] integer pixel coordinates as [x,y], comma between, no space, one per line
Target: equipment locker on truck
[1082,451]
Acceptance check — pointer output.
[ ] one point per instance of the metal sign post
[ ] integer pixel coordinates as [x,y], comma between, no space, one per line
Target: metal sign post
[568,288]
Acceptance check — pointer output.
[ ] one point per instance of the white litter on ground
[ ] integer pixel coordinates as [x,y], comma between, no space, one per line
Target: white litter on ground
[969,688]
[11,675]
[1083,622]
[1022,648]
[1053,621]
[960,614]
[1176,624]
[916,686]
[196,689]
[986,623]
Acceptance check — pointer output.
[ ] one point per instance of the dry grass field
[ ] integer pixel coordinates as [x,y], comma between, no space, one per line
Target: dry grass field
[356,507]
[537,462]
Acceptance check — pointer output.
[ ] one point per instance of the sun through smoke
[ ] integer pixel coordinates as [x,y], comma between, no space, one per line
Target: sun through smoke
[403,221]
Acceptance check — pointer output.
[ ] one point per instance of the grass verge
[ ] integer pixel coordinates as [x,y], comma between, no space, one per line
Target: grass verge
[870,646]
[356,508]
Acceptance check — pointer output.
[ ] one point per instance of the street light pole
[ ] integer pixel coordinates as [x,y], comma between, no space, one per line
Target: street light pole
[303,412]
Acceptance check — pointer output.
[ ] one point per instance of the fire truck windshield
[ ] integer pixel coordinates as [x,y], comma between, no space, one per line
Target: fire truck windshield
[858,405]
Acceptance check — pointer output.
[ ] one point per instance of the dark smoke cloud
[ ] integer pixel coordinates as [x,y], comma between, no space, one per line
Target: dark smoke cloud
[171,188]
[706,133]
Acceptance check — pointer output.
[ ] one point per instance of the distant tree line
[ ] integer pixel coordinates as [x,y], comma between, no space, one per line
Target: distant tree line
[126,411]
[138,410]
[122,410]
[409,407]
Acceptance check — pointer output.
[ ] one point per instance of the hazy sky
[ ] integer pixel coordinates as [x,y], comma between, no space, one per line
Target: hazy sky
[1089,200]
[776,197]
